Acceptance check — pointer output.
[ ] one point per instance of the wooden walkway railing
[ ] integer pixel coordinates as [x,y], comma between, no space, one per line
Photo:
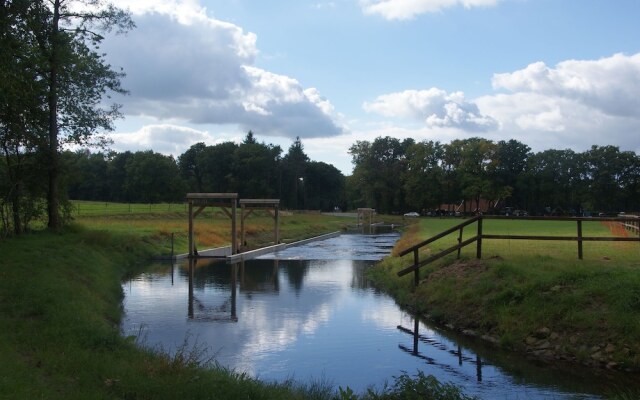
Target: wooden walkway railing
[579,238]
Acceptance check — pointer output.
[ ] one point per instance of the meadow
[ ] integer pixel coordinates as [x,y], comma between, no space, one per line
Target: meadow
[164,223]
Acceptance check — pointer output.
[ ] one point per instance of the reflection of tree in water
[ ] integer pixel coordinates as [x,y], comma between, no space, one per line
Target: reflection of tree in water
[359,280]
[209,272]
[259,276]
[296,271]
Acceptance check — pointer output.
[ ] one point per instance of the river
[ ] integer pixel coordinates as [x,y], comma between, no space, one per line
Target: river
[309,314]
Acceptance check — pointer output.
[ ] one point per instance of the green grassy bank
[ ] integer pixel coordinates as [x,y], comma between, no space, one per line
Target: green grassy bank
[530,296]
[60,310]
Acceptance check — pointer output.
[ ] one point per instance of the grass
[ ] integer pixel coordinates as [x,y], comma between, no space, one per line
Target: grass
[60,312]
[531,296]
[212,228]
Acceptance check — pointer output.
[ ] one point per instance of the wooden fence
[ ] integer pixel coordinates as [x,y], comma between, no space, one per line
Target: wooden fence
[629,223]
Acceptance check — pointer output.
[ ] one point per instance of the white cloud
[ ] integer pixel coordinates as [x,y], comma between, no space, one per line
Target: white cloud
[576,104]
[435,107]
[183,65]
[407,9]
[163,138]
[610,85]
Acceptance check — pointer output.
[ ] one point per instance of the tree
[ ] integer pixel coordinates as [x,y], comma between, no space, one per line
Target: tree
[553,181]
[190,168]
[323,186]
[22,117]
[87,178]
[474,160]
[379,167]
[255,169]
[608,173]
[424,178]
[77,77]
[294,165]
[511,161]
[216,166]
[152,177]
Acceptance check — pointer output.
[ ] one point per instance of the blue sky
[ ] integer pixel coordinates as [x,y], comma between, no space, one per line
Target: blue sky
[550,73]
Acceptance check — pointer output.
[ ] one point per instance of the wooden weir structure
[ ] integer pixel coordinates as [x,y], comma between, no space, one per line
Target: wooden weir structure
[480,236]
[228,203]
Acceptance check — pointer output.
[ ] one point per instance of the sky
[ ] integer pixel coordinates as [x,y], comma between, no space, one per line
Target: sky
[553,74]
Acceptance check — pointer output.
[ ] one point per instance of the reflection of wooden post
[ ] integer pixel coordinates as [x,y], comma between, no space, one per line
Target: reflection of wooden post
[479,368]
[192,267]
[416,334]
[234,273]
[190,229]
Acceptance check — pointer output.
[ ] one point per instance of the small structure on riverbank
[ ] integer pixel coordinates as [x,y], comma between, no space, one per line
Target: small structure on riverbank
[224,201]
[248,206]
[228,202]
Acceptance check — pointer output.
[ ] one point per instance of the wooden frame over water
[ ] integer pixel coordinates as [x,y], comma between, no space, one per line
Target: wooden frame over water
[224,201]
[248,206]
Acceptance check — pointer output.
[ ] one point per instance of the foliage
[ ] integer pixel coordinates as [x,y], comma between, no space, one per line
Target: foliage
[396,176]
[53,84]
[419,387]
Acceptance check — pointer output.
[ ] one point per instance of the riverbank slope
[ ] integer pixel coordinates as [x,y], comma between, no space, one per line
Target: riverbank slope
[546,304]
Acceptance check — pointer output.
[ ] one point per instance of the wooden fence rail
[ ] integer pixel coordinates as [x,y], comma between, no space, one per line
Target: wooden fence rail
[478,238]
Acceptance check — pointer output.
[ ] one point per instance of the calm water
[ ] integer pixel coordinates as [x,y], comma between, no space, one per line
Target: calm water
[308,313]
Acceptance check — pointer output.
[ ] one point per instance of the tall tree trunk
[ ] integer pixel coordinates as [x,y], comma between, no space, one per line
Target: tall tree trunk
[53,195]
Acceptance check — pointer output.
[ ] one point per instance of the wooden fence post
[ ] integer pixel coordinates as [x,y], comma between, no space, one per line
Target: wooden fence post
[416,273]
[460,241]
[479,248]
[580,239]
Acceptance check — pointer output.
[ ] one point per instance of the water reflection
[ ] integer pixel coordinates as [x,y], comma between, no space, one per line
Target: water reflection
[198,310]
[278,318]
[415,351]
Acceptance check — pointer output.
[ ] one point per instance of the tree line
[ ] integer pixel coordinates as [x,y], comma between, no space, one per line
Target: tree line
[251,169]
[397,175]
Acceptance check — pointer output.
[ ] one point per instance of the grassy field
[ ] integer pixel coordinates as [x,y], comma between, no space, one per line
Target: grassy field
[161,223]
[531,296]
[60,312]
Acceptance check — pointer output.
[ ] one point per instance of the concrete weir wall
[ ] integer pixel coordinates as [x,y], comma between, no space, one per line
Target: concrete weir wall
[271,249]
[225,252]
